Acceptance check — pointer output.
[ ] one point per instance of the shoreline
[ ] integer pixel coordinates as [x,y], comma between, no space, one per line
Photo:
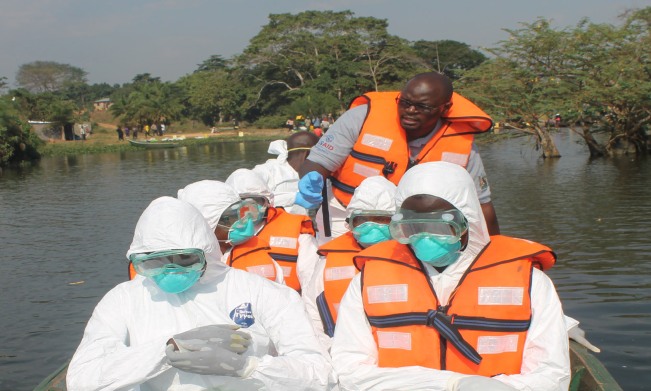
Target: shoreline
[106,141]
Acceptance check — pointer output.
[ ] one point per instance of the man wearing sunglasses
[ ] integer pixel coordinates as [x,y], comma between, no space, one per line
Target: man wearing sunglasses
[369,215]
[290,237]
[235,223]
[193,323]
[445,306]
[387,133]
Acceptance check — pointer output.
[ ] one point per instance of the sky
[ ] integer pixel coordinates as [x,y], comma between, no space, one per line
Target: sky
[115,40]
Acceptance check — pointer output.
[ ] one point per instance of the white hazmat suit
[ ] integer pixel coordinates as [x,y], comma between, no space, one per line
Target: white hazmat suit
[279,176]
[245,181]
[374,194]
[123,347]
[212,198]
[546,356]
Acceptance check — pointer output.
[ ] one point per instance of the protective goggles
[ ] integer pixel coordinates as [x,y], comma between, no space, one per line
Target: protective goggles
[448,225]
[359,217]
[157,262]
[247,208]
[262,200]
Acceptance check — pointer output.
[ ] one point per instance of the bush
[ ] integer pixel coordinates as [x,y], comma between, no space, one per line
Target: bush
[271,122]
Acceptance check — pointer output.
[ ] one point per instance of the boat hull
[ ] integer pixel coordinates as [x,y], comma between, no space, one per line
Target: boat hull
[154,144]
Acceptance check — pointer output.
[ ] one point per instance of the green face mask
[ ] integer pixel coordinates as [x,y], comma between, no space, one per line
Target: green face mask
[174,271]
[241,231]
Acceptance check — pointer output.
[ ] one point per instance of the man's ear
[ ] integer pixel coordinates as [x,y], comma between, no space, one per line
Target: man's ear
[446,108]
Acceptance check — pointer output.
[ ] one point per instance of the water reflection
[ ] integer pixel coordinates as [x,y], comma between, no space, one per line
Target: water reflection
[67,222]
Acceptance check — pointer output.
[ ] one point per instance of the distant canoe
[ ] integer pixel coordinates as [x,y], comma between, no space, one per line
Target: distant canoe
[154,144]
[588,374]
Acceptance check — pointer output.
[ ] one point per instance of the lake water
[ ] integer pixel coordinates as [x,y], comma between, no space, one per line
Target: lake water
[67,222]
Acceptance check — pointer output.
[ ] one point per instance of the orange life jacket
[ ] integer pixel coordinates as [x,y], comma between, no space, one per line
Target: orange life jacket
[132,271]
[252,256]
[482,329]
[382,148]
[281,232]
[339,270]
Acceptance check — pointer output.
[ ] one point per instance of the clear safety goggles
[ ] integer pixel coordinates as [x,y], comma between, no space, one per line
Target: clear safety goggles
[157,262]
[448,225]
[262,200]
[359,217]
[247,208]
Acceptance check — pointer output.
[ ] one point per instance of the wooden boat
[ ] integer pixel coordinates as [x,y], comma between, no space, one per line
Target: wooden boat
[588,374]
[154,144]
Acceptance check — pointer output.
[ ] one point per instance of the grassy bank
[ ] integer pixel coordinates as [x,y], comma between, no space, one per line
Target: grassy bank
[106,140]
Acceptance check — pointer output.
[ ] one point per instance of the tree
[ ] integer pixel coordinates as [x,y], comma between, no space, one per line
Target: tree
[448,57]
[325,52]
[212,96]
[610,68]
[147,101]
[48,76]
[3,83]
[17,142]
[597,75]
[213,63]
[522,82]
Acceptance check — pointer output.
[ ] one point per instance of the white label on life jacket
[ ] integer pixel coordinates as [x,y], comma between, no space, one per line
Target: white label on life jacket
[365,171]
[339,273]
[500,296]
[393,340]
[378,142]
[266,271]
[287,271]
[456,158]
[387,293]
[495,345]
[282,241]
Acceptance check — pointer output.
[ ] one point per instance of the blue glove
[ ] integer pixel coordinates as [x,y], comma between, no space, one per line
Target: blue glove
[309,191]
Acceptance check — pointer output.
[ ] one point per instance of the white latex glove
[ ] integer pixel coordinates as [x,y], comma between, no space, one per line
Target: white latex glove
[477,383]
[212,359]
[223,335]
[577,334]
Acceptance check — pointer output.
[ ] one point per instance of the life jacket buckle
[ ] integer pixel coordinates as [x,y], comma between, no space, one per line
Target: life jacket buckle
[389,168]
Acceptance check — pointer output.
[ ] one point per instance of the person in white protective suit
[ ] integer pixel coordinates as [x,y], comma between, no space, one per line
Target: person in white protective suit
[222,208]
[280,173]
[439,230]
[291,238]
[193,323]
[368,214]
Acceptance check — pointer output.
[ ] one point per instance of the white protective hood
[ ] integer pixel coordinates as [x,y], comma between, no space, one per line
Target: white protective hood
[278,147]
[167,224]
[211,198]
[452,183]
[246,181]
[374,193]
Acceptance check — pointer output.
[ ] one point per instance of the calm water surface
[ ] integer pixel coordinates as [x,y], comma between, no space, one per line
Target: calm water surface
[66,224]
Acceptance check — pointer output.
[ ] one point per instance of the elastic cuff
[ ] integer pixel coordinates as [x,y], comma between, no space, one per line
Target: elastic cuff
[249,367]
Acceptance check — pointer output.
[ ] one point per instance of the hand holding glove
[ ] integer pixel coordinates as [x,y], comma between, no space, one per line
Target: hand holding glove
[211,350]
[223,335]
[211,360]
[309,190]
